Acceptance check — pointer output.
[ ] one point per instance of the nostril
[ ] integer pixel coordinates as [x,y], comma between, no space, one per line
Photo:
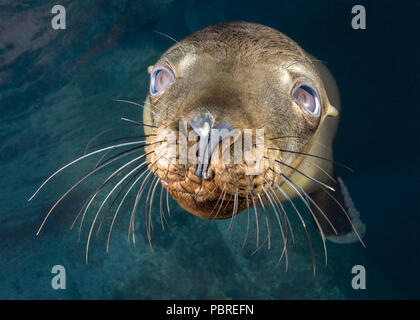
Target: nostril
[208,174]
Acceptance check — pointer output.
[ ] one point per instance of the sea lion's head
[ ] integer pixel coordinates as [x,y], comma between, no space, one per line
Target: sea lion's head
[234,77]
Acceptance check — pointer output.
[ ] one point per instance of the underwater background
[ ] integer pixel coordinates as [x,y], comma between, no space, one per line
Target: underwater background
[56,93]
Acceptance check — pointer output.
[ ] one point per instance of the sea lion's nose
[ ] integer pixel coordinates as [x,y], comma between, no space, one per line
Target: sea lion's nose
[210,134]
[202,126]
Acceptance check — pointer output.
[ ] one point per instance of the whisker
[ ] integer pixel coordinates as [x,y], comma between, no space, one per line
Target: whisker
[156,182]
[221,203]
[119,139]
[136,202]
[273,208]
[171,38]
[247,226]
[115,158]
[310,210]
[162,213]
[313,202]
[265,216]
[324,171]
[103,132]
[286,217]
[262,203]
[146,217]
[285,240]
[157,179]
[121,203]
[320,61]
[252,193]
[227,201]
[138,197]
[303,174]
[217,202]
[284,137]
[107,162]
[298,213]
[136,104]
[287,224]
[234,210]
[116,172]
[131,227]
[281,207]
[138,123]
[104,201]
[167,203]
[235,204]
[303,225]
[114,140]
[314,156]
[102,158]
[81,158]
[114,200]
[126,138]
[289,65]
[268,231]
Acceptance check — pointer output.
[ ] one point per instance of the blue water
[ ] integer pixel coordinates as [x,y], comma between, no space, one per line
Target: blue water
[56,91]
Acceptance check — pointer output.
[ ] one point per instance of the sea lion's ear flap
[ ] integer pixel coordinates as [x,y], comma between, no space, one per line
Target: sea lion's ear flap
[149,69]
[336,215]
[332,111]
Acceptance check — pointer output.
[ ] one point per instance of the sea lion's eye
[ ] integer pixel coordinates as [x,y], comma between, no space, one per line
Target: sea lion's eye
[160,79]
[307,97]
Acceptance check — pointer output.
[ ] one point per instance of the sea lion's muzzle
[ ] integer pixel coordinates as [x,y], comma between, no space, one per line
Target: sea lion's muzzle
[205,165]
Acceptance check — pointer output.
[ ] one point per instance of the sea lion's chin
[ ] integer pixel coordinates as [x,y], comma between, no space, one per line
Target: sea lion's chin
[206,198]
[208,206]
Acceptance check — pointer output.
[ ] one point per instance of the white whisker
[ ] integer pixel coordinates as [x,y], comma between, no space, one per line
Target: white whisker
[81,158]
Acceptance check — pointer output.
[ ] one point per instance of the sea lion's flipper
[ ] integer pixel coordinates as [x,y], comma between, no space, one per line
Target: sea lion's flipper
[346,223]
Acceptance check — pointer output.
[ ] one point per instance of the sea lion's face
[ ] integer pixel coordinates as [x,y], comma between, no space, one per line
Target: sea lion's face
[227,77]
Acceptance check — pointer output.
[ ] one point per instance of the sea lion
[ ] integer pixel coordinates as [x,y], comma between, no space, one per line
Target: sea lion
[215,86]
[241,76]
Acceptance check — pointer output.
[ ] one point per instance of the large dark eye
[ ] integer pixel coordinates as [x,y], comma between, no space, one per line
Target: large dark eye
[307,97]
[160,79]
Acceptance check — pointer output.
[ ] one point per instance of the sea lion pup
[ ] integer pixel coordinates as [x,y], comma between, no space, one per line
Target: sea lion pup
[240,76]
[229,87]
